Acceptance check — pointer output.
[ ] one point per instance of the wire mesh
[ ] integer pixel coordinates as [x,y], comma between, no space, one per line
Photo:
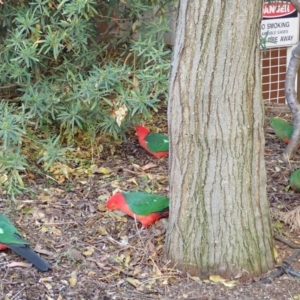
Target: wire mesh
[274,64]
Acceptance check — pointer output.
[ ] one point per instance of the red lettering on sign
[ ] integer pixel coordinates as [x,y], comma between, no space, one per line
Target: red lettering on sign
[277,9]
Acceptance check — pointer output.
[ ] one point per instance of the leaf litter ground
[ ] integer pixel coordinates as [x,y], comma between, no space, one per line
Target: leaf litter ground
[98,254]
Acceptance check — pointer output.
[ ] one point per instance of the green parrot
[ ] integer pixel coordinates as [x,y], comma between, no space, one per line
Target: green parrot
[11,238]
[282,129]
[295,180]
[155,143]
[146,208]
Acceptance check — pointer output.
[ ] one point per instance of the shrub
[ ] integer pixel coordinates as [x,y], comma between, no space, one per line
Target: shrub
[60,74]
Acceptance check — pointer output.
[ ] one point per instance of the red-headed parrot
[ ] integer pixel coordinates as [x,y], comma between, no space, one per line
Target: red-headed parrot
[145,207]
[11,238]
[155,143]
[282,129]
[295,180]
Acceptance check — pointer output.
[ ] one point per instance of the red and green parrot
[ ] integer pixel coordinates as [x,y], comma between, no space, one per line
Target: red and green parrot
[295,180]
[282,129]
[146,208]
[155,143]
[10,238]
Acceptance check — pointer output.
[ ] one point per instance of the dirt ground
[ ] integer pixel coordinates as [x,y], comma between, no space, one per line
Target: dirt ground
[98,254]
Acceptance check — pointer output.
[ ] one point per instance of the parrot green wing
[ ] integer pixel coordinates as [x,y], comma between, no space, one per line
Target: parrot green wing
[9,234]
[144,204]
[282,128]
[295,180]
[157,142]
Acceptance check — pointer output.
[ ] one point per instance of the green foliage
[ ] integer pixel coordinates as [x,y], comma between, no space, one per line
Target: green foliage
[12,163]
[53,151]
[11,126]
[66,78]
[263,42]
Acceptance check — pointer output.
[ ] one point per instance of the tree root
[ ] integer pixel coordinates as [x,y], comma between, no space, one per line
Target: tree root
[286,241]
[285,268]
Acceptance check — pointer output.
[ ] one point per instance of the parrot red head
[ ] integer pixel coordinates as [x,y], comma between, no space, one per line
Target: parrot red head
[141,131]
[115,202]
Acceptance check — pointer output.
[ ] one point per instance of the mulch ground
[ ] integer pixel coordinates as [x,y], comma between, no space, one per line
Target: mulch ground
[98,254]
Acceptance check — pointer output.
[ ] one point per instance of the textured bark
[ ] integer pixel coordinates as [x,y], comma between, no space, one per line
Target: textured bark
[291,96]
[219,214]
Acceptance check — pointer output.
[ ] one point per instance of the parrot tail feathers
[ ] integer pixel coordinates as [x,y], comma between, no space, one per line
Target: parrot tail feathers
[27,253]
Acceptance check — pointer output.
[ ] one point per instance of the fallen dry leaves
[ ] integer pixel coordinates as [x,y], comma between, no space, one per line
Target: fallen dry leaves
[97,254]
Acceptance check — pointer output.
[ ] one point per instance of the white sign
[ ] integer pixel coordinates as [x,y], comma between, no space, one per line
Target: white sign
[280,24]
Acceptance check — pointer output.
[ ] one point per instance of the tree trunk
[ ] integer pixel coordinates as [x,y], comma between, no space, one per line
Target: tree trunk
[219,214]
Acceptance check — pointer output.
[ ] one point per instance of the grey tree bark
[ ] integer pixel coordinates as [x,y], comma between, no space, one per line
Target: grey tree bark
[291,96]
[219,214]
